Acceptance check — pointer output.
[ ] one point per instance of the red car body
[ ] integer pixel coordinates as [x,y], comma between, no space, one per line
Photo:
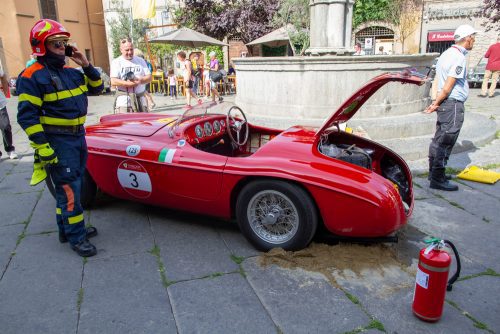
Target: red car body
[161,160]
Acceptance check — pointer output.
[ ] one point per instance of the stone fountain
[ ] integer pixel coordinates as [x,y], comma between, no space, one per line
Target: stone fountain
[284,91]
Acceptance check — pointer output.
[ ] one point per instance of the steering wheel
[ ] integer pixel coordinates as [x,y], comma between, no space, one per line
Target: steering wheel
[236,126]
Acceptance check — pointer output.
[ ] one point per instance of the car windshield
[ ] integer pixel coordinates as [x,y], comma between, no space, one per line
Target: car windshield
[199,111]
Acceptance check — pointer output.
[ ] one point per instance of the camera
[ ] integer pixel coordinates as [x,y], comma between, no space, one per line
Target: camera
[129,76]
[68,50]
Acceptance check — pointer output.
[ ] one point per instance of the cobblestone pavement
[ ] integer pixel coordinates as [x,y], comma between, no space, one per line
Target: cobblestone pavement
[162,271]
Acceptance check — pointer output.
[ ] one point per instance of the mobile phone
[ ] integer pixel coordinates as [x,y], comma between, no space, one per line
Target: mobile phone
[68,50]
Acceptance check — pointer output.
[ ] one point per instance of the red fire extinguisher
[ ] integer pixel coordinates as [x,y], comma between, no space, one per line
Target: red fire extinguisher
[432,282]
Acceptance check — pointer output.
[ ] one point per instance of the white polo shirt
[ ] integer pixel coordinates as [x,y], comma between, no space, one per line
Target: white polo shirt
[452,63]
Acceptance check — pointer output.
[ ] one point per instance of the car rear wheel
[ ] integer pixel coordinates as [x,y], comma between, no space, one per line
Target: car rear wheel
[274,213]
[88,192]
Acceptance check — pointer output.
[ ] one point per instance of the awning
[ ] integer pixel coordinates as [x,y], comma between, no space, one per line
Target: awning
[440,36]
[275,38]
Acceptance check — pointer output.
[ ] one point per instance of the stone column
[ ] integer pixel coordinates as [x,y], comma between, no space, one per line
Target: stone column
[331,26]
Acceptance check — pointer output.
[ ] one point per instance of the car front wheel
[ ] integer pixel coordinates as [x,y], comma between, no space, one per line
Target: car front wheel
[88,191]
[274,213]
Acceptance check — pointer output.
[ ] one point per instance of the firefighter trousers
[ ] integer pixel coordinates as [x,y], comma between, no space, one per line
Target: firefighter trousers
[450,117]
[67,175]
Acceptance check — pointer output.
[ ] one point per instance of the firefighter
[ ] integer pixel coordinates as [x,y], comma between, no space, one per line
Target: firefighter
[52,110]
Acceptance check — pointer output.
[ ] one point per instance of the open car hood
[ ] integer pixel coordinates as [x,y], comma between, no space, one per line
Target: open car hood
[352,104]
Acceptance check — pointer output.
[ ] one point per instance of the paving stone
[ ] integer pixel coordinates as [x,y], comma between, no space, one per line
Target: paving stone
[44,215]
[125,295]
[474,202]
[40,288]
[8,239]
[6,167]
[25,163]
[123,229]
[388,296]
[190,246]
[14,183]
[303,302]
[490,189]
[17,208]
[479,297]
[473,238]
[225,304]
[236,242]
[420,189]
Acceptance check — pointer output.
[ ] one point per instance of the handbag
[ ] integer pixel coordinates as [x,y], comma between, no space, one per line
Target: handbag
[215,76]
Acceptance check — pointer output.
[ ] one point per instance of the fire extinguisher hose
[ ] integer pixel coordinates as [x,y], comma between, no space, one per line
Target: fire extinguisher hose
[455,276]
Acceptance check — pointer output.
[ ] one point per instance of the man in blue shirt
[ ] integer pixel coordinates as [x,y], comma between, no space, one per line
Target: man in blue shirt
[453,90]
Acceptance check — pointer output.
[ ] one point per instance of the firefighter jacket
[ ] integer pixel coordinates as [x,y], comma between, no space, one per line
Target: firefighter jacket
[54,96]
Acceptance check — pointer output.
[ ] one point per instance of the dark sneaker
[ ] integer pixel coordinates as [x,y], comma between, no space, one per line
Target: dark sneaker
[91,232]
[84,248]
[221,99]
[481,95]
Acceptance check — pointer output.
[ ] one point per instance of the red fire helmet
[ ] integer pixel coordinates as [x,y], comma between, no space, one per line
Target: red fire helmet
[41,31]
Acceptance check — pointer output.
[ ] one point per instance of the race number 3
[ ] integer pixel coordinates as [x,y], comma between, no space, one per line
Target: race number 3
[134,179]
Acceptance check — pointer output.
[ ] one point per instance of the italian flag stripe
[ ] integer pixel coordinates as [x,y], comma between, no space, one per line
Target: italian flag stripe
[166,155]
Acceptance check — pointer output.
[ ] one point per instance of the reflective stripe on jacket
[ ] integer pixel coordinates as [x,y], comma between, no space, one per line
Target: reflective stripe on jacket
[55,97]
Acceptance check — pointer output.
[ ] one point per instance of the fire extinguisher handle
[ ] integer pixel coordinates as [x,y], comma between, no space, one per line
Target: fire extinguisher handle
[455,276]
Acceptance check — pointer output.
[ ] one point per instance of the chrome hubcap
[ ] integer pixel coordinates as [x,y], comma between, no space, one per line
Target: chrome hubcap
[273,217]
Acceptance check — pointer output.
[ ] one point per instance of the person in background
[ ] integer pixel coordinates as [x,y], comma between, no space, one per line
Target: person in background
[453,90]
[147,93]
[31,61]
[4,119]
[206,81]
[215,67]
[196,72]
[358,51]
[231,70]
[492,69]
[130,75]
[187,70]
[172,83]
[381,50]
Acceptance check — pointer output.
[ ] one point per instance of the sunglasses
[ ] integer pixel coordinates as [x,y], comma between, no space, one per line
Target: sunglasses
[58,44]
[126,40]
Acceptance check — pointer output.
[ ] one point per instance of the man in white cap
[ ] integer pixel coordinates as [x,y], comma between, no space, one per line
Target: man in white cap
[453,90]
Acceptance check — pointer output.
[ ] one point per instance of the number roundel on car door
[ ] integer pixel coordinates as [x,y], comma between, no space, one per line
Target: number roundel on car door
[134,179]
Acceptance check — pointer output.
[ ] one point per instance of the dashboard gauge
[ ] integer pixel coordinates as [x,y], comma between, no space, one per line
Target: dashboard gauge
[208,129]
[199,131]
[222,123]
[217,126]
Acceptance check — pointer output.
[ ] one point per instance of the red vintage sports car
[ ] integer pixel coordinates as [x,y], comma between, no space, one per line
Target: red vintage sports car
[279,185]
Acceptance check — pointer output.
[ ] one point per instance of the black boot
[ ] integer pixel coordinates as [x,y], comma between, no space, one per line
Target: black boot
[91,232]
[431,162]
[439,181]
[84,248]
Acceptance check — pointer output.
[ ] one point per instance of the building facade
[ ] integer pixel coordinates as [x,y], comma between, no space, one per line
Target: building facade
[440,19]
[82,18]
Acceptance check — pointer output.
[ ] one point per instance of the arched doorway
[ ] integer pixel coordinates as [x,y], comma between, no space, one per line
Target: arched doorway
[372,38]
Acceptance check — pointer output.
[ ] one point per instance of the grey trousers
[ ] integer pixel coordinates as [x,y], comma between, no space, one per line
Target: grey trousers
[450,117]
[6,130]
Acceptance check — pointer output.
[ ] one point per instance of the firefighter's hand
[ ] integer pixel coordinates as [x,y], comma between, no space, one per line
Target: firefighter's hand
[47,154]
[79,58]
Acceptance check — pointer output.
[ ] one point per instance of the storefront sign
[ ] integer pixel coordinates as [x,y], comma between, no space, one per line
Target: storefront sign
[445,13]
[440,36]
[368,43]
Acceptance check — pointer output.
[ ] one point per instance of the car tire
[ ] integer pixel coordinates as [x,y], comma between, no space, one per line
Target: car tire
[88,191]
[275,213]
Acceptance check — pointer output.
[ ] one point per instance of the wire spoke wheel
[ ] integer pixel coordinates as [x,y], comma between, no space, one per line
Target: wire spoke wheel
[272,216]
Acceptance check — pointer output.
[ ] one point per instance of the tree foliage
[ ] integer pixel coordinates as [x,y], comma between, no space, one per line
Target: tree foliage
[405,14]
[294,14]
[120,28]
[491,11]
[246,19]
[370,10]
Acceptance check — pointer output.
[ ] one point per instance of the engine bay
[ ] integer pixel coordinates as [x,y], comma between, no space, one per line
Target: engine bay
[369,155]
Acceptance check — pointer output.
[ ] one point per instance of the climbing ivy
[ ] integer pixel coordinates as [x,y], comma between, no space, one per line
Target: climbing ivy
[370,10]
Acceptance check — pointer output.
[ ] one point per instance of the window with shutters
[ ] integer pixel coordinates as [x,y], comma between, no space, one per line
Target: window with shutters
[48,9]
